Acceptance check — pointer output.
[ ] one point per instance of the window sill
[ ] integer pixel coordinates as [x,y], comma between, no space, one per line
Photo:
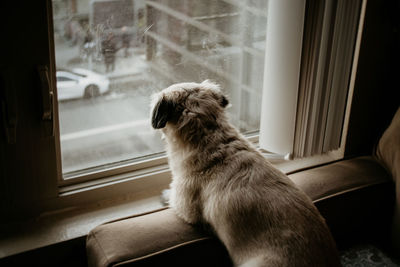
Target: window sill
[65,225]
[295,165]
[68,224]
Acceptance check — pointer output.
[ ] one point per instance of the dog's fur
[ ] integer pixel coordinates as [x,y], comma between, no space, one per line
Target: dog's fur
[221,180]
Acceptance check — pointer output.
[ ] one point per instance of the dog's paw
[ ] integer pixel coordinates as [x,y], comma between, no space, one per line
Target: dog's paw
[164,198]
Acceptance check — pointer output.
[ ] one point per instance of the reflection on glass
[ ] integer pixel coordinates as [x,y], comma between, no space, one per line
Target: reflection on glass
[111,55]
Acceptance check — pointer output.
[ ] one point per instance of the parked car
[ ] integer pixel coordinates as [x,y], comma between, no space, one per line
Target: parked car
[77,83]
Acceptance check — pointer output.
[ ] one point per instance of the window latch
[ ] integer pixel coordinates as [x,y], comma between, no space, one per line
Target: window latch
[47,99]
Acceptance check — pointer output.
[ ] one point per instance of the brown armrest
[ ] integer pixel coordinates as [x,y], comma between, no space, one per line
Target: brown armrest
[355,197]
[347,193]
[152,239]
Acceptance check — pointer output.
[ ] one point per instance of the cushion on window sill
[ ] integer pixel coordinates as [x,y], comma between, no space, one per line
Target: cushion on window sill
[153,239]
[354,196]
[388,149]
[349,194]
[388,154]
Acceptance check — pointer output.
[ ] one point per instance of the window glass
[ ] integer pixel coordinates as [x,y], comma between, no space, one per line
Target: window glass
[122,51]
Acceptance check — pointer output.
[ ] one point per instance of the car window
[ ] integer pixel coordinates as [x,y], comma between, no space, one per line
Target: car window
[63,79]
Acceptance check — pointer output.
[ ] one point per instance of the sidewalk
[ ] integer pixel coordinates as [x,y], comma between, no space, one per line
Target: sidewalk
[69,57]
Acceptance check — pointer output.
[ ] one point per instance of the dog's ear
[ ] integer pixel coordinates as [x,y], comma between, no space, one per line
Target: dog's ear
[162,113]
[224,101]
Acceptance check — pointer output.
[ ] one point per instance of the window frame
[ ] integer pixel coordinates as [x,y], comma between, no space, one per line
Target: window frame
[55,193]
[141,164]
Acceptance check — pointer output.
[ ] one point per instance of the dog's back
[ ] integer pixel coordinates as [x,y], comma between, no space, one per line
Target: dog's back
[220,179]
[263,218]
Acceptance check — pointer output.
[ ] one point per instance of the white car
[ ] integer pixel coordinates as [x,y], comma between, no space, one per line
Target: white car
[77,83]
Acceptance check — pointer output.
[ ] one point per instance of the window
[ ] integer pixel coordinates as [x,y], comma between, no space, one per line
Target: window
[126,50]
[288,85]
[208,48]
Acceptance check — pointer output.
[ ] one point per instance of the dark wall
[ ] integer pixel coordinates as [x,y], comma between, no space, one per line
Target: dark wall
[376,93]
[28,166]
[65,254]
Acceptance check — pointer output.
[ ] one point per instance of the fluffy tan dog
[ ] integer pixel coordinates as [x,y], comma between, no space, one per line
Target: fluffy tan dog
[221,180]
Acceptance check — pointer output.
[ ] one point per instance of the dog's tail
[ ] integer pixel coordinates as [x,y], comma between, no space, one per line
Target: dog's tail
[266,259]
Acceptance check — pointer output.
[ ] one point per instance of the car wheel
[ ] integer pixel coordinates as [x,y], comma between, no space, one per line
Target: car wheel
[92,91]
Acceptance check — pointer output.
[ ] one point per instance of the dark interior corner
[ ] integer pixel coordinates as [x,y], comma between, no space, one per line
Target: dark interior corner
[69,253]
[376,91]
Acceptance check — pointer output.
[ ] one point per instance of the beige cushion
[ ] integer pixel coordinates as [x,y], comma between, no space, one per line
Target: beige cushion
[388,150]
[157,238]
[388,153]
[354,196]
[350,194]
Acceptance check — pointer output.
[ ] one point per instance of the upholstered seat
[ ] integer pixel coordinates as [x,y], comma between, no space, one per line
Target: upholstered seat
[353,196]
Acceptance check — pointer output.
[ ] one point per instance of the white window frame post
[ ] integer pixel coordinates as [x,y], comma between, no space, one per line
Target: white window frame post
[281,75]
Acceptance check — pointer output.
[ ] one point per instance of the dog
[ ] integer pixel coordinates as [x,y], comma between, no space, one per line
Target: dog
[221,180]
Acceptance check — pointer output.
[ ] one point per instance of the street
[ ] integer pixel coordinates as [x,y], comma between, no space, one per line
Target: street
[106,129]
[113,127]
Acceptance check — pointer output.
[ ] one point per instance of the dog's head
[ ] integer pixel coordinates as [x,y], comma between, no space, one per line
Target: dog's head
[190,106]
